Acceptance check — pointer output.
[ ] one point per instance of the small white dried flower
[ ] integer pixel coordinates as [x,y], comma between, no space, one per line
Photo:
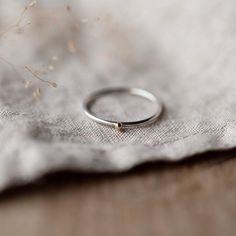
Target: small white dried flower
[51,68]
[85,20]
[54,58]
[38,91]
[35,94]
[28,83]
[32,4]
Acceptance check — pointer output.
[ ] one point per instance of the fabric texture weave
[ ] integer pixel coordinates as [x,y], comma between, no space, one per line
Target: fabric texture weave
[184,52]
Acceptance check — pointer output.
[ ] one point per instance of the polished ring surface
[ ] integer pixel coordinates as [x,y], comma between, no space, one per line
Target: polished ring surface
[120,125]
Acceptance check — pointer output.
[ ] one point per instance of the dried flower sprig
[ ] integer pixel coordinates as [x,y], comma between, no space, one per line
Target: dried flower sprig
[19,20]
[30,70]
[71,25]
[34,73]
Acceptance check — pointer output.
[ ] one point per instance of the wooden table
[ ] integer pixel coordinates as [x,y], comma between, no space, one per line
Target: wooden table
[194,197]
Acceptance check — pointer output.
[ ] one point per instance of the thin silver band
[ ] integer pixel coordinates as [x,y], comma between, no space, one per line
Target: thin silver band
[120,124]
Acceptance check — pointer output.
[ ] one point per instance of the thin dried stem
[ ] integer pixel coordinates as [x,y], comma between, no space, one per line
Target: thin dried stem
[30,70]
[14,67]
[35,75]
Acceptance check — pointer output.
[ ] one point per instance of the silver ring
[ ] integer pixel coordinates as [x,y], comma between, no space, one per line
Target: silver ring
[119,125]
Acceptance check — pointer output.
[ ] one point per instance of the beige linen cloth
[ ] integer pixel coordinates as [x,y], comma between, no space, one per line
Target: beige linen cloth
[183,51]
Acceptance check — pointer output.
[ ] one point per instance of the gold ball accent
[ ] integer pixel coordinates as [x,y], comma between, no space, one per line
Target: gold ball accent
[118,126]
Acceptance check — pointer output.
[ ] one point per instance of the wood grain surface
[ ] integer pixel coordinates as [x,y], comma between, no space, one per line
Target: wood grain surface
[194,197]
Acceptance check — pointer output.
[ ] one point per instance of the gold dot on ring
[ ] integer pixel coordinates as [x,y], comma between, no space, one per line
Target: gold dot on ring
[119,126]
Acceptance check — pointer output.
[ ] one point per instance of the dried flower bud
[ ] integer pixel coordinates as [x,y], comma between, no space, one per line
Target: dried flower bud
[68,8]
[53,84]
[32,4]
[35,94]
[51,68]
[54,58]
[71,46]
[38,92]
[84,20]
[28,83]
